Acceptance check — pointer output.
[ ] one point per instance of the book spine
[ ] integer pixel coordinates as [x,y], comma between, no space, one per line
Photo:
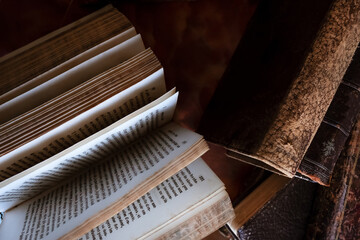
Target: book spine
[281,80]
[312,91]
[349,228]
[332,208]
[319,161]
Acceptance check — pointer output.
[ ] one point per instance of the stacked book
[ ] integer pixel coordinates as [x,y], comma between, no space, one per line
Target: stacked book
[288,102]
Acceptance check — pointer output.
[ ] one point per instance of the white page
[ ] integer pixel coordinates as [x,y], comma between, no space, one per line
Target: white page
[153,86]
[71,78]
[198,221]
[195,186]
[36,179]
[61,212]
[68,64]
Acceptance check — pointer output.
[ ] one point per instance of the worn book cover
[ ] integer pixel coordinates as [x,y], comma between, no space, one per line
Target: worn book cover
[281,81]
[336,208]
[304,210]
[320,159]
[284,216]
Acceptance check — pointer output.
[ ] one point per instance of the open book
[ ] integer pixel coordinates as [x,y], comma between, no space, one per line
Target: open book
[81,150]
[188,205]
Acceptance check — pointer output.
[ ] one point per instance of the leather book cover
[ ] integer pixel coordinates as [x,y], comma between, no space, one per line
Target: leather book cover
[335,213]
[305,210]
[285,216]
[281,80]
[349,228]
[319,161]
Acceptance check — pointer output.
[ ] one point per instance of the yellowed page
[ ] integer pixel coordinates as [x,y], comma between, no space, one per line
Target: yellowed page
[70,78]
[67,65]
[42,176]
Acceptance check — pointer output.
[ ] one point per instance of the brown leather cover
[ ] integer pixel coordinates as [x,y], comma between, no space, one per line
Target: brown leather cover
[335,213]
[283,217]
[319,161]
[306,210]
[350,227]
[282,79]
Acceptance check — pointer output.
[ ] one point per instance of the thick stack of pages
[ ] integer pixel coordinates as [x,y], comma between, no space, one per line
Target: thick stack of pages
[88,147]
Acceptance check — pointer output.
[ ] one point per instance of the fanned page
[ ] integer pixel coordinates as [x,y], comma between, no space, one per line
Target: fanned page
[76,60]
[107,188]
[87,152]
[71,78]
[82,126]
[165,207]
[51,50]
[80,112]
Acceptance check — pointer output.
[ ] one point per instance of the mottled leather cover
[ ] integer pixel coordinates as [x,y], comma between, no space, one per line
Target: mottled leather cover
[283,217]
[350,227]
[304,210]
[336,210]
[319,161]
[281,80]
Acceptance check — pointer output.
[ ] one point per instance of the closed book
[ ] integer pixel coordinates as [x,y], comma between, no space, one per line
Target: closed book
[335,211]
[320,159]
[283,216]
[281,80]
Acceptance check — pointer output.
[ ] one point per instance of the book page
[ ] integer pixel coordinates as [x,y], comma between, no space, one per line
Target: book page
[179,195]
[83,125]
[96,195]
[46,117]
[197,222]
[71,78]
[57,32]
[68,64]
[93,149]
